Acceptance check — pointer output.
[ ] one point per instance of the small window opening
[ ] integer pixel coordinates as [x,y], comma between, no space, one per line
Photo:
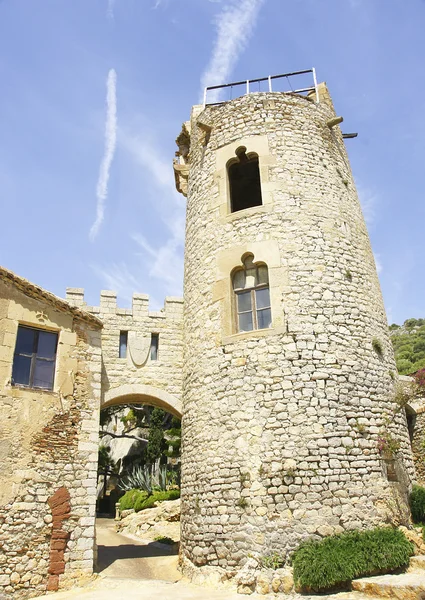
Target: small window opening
[35,358]
[244,181]
[390,465]
[154,346]
[123,344]
[252,296]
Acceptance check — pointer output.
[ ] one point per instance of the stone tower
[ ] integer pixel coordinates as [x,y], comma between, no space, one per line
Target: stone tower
[288,368]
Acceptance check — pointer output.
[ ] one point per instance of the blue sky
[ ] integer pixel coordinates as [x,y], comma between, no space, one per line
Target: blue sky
[82,210]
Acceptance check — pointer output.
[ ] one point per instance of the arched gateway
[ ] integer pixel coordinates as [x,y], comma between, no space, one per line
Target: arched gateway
[143,394]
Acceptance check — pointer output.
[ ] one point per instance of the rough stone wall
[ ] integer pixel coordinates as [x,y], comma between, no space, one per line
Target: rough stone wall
[280,426]
[418,444]
[48,452]
[137,369]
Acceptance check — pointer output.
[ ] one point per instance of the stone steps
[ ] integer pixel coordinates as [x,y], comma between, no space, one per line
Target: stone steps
[407,586]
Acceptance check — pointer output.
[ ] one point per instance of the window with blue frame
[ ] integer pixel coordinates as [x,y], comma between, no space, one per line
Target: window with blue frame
[34,360]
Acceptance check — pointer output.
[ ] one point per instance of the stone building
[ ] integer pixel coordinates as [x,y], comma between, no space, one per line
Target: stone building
[288,364]
[50,378]
[280,361]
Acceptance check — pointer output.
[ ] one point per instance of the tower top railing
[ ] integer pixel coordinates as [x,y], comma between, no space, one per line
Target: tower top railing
[214,90]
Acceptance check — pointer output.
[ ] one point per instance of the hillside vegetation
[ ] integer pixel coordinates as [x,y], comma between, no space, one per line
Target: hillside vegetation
[409,345]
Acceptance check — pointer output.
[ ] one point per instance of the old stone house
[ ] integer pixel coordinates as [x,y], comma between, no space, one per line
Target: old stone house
[50,378]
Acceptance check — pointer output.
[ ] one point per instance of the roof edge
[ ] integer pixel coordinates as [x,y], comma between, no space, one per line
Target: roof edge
[38,293]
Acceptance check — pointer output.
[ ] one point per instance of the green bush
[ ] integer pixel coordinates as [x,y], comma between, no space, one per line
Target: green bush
[149,501]
[334,561]
[131,498]
[417,504]
[139,500]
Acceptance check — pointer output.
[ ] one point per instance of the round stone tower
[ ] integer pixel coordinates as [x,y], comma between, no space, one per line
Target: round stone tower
[290,429]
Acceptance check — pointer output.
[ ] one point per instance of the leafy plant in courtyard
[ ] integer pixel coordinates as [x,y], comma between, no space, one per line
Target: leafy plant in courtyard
[140,500]
[336,560]
[272,561]
[139,478]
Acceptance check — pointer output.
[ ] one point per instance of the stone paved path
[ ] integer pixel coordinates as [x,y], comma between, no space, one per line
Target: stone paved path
[133,569]
[128,557]
[116,589]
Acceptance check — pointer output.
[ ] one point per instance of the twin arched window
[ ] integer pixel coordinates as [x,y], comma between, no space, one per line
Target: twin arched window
[244,181]
[252,296]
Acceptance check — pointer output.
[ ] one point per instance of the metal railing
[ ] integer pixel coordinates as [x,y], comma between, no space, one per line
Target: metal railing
[248,86]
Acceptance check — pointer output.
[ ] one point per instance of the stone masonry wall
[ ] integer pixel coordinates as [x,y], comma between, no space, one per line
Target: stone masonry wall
[280,426]
[418,445]
[164,374]
[48,452]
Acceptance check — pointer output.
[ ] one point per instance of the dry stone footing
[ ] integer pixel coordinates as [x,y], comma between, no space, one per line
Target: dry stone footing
[408,586]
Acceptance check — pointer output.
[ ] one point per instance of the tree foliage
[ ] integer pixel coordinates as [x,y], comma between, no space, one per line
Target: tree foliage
[409,345]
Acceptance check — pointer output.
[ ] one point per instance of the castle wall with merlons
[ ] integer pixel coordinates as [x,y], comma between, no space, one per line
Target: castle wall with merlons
[136,377]
[281,426]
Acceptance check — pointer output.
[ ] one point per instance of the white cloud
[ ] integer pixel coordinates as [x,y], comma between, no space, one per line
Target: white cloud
[235,25]
[119,278]
[110,10]
[160,262]
[110,143]
[144,152]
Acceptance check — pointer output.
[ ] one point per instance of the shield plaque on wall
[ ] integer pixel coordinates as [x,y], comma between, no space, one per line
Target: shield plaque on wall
[139,345]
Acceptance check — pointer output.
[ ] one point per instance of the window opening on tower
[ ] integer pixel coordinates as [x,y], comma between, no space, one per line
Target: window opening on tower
[244,181]
[252,296]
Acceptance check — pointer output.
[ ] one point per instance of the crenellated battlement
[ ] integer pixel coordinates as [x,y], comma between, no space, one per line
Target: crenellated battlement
[173,305]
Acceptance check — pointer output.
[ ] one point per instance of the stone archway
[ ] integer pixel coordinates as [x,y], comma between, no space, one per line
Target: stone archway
[113,552]
[142,394]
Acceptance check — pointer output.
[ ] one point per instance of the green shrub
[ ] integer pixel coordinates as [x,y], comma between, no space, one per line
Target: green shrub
[334,561]
[272,561]
[131,498]
[149,501]
[417,504]
[139,500]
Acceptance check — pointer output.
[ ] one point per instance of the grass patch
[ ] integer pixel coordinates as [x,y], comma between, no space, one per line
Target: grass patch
[333,562]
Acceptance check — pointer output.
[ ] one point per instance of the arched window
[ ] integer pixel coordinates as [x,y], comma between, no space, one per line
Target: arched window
[244,181]
[252,296]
